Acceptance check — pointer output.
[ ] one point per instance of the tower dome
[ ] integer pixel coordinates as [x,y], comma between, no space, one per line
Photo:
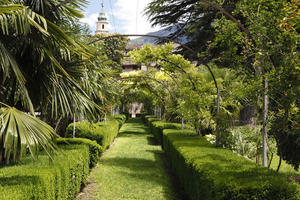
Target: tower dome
[102,23]
[102,16]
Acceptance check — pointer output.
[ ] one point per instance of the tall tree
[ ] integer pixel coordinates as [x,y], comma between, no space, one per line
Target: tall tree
[245,36]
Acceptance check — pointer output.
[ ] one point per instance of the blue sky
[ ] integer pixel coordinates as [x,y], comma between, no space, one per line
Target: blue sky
[123,12]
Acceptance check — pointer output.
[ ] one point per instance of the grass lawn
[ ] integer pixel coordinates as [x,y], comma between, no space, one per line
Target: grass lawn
[134,168]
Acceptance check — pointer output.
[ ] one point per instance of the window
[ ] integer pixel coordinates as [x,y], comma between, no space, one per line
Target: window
[102,26]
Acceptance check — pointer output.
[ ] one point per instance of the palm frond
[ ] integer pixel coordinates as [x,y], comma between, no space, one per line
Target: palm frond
[21,19]
[20,131]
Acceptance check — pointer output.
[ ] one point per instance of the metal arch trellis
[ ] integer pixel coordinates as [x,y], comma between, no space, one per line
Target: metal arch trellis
[171,40]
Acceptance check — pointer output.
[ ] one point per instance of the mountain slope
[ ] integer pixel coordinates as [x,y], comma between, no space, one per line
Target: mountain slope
[161,33]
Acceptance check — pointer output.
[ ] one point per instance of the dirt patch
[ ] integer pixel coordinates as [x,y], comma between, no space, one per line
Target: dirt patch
[89,191]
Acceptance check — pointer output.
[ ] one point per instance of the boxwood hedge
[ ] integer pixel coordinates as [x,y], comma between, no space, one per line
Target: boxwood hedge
[211,173]
[95,150]
[157,128]
[149,119]
[121,119]
[45,180]
[102,132]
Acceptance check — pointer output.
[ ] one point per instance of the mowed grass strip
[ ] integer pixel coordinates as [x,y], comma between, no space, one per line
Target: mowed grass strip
[133,168]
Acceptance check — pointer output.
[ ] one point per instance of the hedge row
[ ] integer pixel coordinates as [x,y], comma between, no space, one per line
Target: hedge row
[42,179]
[95,150]
[156,127]
[148,119]
[121,119]
[62,178]
[102,132]
[211,173]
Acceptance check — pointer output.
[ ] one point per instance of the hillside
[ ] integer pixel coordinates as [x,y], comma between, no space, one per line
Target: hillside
[162,33]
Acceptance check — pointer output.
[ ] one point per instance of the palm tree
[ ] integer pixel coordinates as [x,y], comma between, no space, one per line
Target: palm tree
[40,68]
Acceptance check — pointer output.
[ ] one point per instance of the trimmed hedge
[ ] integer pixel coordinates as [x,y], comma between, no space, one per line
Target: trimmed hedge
[211,173]
[102,132]
[110,130]
[121,119]
[157,128]
[149,119]
[95,150]
[45,180]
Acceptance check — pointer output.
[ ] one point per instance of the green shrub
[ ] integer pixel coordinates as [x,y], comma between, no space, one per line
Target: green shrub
[211,173]
[95,150]
[102,132]
[121,119]
[110,130]
[86,130]
[149,119]
[45,180]
[157,128]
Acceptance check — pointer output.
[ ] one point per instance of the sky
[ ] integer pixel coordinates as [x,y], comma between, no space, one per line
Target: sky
[125,16]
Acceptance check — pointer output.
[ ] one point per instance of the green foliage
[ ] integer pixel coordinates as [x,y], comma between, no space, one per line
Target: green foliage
[86,130]
[60,179]
[184,15]
[102,132]
[259,40]
[270,47]
[156,127]
[44,67]
[150,118]
[113,48]
[188,90]
[95,150]
[121,119]
[245,141]
[213,173]
[45,54]
[19,132]
[286,131]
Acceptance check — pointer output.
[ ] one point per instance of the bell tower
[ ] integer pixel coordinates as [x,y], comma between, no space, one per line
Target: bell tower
[102,23]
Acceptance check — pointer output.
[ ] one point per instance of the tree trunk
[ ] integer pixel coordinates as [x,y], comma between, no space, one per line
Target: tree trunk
[61,125]
[74,127]
[279,164]
[270,162]
[218,111]
[197,130]
[265,118]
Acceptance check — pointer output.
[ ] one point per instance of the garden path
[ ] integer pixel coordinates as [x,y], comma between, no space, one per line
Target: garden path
[134,167]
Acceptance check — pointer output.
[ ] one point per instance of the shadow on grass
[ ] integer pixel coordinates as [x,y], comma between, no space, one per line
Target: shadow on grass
[152,141]
[175,186]
[156,172]
[153,172]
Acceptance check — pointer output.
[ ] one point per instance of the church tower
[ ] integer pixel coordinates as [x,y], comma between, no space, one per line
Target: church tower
[102,23]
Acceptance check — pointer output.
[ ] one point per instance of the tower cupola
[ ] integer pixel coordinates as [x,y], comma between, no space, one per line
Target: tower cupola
[102,23]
